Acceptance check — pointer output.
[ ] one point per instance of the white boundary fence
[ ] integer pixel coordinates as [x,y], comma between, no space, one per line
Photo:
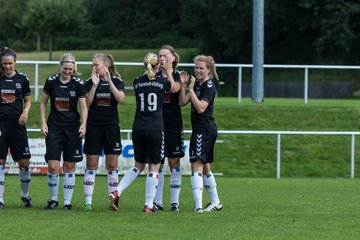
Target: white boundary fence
[240,68]
[278,141]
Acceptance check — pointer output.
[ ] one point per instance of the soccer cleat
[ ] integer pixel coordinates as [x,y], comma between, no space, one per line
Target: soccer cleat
[148,210]
[174,207]
[113,201]
[2,205]
[67,207]
[51,205]
[213,207]
[27,202]
[88,207]
[198,210]
[158,207]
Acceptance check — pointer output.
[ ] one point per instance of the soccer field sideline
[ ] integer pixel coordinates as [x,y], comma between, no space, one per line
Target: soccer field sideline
[254,208]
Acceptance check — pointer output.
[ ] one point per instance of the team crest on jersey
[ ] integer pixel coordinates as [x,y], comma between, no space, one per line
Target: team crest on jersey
[209,84]
[72,93]
[18,85]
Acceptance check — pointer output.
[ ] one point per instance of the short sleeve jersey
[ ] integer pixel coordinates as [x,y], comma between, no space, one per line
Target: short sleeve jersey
[12,92]
[206,92]
[64,101]
[149,102]
[103,110]
[172,109]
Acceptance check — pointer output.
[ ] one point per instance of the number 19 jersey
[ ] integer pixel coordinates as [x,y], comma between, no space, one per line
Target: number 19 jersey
[149,102]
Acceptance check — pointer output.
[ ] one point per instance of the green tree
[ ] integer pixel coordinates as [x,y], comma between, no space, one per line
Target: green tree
[54,18]
[10,27]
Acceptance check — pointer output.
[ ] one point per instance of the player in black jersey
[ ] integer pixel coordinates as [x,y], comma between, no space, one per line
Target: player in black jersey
[15,103]
[204,131]
[105,90]
[63,130]
[173,131]
[147,130]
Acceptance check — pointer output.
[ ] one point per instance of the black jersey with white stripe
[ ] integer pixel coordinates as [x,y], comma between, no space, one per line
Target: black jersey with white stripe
[12,92]
[64,112]
[149,102]
[172,109]
[103,110]
[207,92]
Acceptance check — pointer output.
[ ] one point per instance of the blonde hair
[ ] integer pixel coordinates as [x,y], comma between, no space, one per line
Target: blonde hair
[151,61]
[69,58]
[109,60]
[210,64]
[175,63]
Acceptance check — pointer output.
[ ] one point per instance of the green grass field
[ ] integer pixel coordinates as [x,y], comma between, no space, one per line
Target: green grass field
[253,209]
[314,199]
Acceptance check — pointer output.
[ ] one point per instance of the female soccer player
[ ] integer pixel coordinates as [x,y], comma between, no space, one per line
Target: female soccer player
[173,131]
[105,90]
[147,130]
[63,130]
[15,104]
[204,131]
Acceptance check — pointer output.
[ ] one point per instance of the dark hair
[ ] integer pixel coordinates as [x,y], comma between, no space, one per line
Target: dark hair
[5,51]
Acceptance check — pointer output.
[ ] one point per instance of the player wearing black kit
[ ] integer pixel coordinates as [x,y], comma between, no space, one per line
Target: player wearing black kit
[105,90]
[15,104]
[204,131]
[173,129]
[147,130]
[62,129]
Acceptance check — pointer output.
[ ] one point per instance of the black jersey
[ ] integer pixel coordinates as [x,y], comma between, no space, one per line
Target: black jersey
[64,101]
[12,92]
[149,102]
[103,110]
[172,109]
[206,92]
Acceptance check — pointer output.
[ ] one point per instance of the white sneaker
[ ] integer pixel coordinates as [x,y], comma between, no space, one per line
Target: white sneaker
[198,210]
[213,207]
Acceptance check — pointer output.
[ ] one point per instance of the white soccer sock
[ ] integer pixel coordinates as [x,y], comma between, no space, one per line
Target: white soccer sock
[2,182]
[25,179]
[159,189]
[175,184]
[53,185]
[69,185]
[113,179]
[89,184]
[210,186]
[150,190]
[127,179]
[197,186]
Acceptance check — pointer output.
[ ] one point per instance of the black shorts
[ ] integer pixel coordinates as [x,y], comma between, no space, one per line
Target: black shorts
[174,143]
[102,137]
[202,145]
[148,146]
[66,141]
[13,136]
